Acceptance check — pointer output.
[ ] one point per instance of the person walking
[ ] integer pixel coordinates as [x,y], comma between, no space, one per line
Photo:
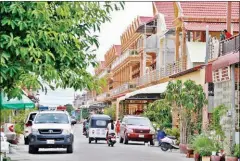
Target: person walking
[118,127]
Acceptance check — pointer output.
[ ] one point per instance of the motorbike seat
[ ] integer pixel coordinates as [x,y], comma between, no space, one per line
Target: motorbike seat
[171,137]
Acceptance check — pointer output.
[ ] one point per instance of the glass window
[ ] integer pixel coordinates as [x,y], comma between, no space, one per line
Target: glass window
[138,121]
[99,123]
[58,118]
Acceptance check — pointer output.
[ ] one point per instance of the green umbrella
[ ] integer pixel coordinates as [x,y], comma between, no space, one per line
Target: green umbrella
[15,104]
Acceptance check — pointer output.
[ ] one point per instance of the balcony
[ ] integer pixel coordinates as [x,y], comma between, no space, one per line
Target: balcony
[227,46]
[102,97]
[122,88]
[151,44]
[129,53]
[156,75]
[222,48]
[103,73]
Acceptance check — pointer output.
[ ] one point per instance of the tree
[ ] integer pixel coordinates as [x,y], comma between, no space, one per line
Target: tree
[50,43]
[69,108]
[187,99]
[159,112]
[111,111]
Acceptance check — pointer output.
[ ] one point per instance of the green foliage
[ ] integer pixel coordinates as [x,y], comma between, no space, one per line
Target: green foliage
[203,145]
[111,111]
[85,113]
[50,44]
[69,108]
[19,120]
[186,98]
[218,112]
[173,132]
[236,151]
[159,112]
[4,113]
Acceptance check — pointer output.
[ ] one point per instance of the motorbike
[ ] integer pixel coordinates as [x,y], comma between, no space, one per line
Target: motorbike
[168,142]
[111,139]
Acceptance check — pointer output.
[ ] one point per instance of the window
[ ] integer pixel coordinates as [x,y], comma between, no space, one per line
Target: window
[101,123]
[57,118]
[138,121]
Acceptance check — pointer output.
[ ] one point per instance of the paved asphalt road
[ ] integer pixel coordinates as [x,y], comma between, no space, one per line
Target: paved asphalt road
[98,152]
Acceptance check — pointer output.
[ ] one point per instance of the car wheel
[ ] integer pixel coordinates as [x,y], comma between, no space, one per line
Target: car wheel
[125,139]
[32,149]
[121,140]
[89,140]
[151,142]
[70,149]
[26,141]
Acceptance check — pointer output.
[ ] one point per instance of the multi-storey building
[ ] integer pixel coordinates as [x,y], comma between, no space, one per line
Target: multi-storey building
[170,45]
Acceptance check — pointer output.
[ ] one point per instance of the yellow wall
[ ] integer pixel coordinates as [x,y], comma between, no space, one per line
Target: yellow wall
[197,76]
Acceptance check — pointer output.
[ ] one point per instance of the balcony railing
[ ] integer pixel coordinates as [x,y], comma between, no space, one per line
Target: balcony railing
[103,73]
[222,48]
[156,75]
[229,45]
[124,56]
[121,89]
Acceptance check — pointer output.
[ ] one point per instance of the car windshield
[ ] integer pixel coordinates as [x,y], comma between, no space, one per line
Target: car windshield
[58,118]
[139,121]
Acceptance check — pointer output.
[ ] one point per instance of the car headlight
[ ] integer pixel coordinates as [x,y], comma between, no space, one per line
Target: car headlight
[66,132]
[129,130]
[34,131]
[152,131]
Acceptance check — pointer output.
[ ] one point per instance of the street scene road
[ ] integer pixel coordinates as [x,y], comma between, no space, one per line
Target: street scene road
[100,151]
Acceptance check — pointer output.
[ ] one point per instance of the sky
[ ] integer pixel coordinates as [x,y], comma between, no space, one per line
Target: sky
[109,35]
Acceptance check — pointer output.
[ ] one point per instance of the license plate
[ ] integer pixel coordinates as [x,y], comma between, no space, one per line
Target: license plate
[141,136]
[50,141]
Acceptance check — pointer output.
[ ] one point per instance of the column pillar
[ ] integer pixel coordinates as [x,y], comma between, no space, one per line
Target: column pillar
[229,17]
[177,44]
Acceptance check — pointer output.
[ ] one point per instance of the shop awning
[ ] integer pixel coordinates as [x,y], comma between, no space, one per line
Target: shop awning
[156,89]
[226,60]
[15,104]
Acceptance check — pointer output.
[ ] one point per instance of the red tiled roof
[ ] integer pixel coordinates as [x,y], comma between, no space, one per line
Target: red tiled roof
[208,9]
[198,26]
[144,19]
[167,9]
[118,48]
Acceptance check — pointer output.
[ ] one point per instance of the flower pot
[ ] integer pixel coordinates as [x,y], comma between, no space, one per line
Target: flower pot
[183,148]
[196,157]
[215,158]
[228,158]
[206,158]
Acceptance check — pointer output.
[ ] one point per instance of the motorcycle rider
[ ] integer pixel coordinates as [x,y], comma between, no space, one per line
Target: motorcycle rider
[110,129]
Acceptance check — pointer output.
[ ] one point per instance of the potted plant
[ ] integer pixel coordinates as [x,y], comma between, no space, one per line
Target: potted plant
[236,154]
[204,146]
[215,154]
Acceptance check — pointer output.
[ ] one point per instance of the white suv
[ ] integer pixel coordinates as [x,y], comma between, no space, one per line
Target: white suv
[28,125]
[51,129]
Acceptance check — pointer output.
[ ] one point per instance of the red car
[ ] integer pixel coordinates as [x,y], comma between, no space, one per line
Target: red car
[136,128]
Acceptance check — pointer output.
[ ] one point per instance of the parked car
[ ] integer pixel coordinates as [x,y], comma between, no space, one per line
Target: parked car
[136,128]
[5,145]
[28,126]
[10,132]
[51,129]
